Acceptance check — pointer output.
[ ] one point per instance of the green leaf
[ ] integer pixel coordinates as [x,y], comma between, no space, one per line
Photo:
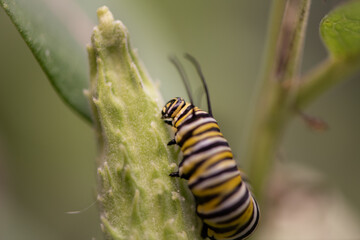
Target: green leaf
[340,30]
[57,44]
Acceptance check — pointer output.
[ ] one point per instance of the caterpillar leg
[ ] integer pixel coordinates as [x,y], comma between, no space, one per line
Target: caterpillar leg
[204,232]
[169,122]
[171,142]
[174,174]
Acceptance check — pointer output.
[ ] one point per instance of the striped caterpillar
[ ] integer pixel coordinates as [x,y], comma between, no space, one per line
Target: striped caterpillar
[225,204]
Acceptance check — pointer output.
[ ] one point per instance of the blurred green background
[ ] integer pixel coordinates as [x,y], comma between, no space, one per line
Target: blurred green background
[47,152]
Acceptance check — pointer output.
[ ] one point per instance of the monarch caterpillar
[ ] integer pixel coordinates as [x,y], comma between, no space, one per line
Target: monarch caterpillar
[224,203]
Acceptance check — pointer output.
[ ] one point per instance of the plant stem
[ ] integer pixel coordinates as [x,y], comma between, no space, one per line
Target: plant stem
[274,26]
[324,76]
[280,68]
[291,40]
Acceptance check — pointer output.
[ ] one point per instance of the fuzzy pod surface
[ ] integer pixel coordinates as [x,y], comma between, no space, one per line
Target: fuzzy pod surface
[137,198]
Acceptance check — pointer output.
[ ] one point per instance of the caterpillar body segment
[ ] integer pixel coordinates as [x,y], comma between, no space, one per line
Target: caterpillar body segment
[224,202]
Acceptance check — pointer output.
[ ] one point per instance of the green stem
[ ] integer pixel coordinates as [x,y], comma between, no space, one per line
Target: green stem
[273,32]
[291,40]
[327,74]
[281,68]
[274,26]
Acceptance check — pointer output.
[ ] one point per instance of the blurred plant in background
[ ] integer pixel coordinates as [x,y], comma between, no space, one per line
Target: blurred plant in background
[47,154]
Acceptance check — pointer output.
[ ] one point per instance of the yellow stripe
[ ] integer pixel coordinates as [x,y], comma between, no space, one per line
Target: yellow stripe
[210,232]
[210,141]
[211,161]
[179,121]
[180,134]
[191,141]
[223,188]
[224,164]
[205,127]
[176,112]
[244,218]
[188,167]
[209,205]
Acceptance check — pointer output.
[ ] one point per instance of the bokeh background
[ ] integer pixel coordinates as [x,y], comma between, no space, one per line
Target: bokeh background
[47,152]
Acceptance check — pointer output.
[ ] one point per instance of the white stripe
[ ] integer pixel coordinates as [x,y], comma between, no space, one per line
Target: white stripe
[256,212]
[204,143]
[196,113]
[181,111]
[231,202]
[215,180]
[172,106]
[193,125]
[229,163]
[195,158]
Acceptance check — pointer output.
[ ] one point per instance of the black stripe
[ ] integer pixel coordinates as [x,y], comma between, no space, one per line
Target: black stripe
[204,159]
[236,189]
[242,227]
[229,209]
[202,179]
[222,159]
[211,196]
[227,196]
[247,233]
[235,217]
[206,148]
[182,112]
[193,145]
[203,200]
[224,229]
[190,133]
[174,106]
[197,165]
[193,119]
[232,228]
[221,183]
[197,148]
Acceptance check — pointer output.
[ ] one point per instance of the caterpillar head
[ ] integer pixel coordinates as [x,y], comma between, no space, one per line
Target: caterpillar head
[172,107]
